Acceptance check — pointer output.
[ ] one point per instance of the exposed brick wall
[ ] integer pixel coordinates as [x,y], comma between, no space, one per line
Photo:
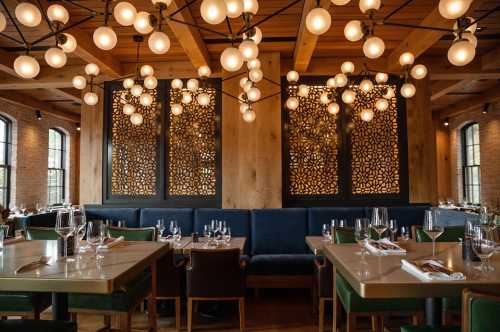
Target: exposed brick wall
[30,155]
[489,140]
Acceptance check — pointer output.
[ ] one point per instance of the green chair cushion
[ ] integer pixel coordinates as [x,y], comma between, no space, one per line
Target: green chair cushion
[352,302]
[24,301]
[121,301]
[40,233]
[450,234]
[423,328]
[452,304]
[344,235]
[483,314]
[129,234]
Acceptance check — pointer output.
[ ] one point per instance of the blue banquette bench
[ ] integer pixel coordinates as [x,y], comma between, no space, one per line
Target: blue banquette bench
[276,253]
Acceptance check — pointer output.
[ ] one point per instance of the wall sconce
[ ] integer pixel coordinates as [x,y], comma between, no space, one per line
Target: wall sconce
[38,115]
[486,108]
[446,122]
[78,128]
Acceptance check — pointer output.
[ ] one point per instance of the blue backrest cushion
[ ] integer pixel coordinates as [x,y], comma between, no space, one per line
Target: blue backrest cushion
[41,220]
[405,215]
[183,216]
[319,216]
[279,231]
[237,219]
[129,215]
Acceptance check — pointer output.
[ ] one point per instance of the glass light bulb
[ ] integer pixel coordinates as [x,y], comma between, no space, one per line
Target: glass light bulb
[333,108]
[381,104]
[373,47]
[90,98]
[136,119]
[331,83]
[408,90]
[243,81]
[381,78]
[125,13]
[92,69]
[340,2]
[249,50]
[3,22]
[165,2]
[418,72]
[406,59]
[147,70]
[158,42]
[347,67]
[390,93]
[204,71]
[257,37]
[253,64]
[323,98]
[177,84]
[57,13]
[253,94]
[353,31]
[79,82]
[55,57]
[186,98]
[470,37]
[150,82]
[303,91]
[318,21]
[142,23]
[203,99]
[248,85]
[348,96]
[28,14]
[244,107]
[292,76]
[70,45]
[461,52]
[146,99]
[453,9]
[192,84]
[340,80]
[250,6]
[249,116]
[231,59]
[136,90]
[366,86]
[128,83]
[367,5]
[213,11]
[234,8]
[256,75]
[128,109]
[366,115]
[292,103]
[105,38]
[176,109]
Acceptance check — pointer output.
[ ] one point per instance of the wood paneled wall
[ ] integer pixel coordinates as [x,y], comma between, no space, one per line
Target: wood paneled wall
[443,164]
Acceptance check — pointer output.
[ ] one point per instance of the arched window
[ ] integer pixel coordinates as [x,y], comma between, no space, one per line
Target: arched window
[5,160]
[57,167]
[471,173]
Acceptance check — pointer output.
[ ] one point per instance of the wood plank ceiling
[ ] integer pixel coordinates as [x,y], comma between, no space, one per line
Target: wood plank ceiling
[280,34]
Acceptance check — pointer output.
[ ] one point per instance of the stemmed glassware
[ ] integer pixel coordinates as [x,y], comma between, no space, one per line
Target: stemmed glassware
[176,232]
[160,226]
[65,227]
[96,234]
[327,232]
[405,233]
[362,232]
[379,221]
[80,222]
[432,229]
[484,245]
[393,228]
[226,234]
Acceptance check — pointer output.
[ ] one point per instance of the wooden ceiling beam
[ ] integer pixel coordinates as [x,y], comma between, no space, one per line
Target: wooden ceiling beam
[491,60]
[489,96]
[70,94]
[441,88]
[306,41]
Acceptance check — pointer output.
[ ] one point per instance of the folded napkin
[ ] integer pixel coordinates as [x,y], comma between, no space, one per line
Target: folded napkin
[384,247]
[429,270]
[111,242]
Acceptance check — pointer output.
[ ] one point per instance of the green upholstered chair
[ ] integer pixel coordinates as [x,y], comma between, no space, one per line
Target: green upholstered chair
[356,306]
[134,234]
[41,233]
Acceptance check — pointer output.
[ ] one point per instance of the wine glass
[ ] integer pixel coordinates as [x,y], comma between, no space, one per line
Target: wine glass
[405,233]
[227,235]
[96,231]
[160,226]
[338,223]
[361,232]
[327,232]
[484,246]
[379,220]
[432,229]
[65,226]
[393,228]
[172,226]
[80,222]
[22,207]
[176,233]
[206,231]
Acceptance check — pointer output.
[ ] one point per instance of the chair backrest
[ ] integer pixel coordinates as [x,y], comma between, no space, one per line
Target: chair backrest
[479,312]
[41,233]
[215,274]
[169,276]
[450,234]
[134,234]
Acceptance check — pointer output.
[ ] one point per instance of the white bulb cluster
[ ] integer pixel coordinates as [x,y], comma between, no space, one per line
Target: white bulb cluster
[80,82]
[192,91]
[216,11]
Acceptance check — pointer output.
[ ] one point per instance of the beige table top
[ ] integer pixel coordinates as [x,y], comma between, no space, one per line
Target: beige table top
[316,244]
[236,242]
[382,277]
[85,275]
[178,246]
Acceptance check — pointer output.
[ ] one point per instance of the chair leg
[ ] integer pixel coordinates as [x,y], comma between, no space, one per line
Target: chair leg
[125,321]
[242,314]
[321,323]
[351,322]
[152,312]
[189,314]
[381,323]
[375,323]
[178,313]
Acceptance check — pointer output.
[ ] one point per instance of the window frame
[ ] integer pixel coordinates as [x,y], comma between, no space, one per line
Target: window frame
[62,160]
[8,159]
[468,184]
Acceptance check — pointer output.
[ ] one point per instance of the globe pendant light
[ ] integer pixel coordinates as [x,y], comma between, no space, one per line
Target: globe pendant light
[253,94]
[340,2]
[136,90]
[244,107]
[146,99]
[128,109]
[136,119]
[176,109]
[348,96]
[249,50]
[250,6]
[292,76]
[3,22]
[79,82]
[176,84]
[231,59]
[147,70]
[70,44]
[373,47]
[331,83]
[247,86]
[470,37]
[125,13]
[292,103]
[318,21]
[128,83]
[323,98]
[142,23]
[150,82]
[418,72]
[28,14]
[453,9]
[303,91]
[186,98]
[256,75]
[55,57]
[105,38]
[204,71]
[340,80]
[90,98]
[381,78]
[257,36]
[353,31]
[164,2]
[461,52]
[158,42]
[333,108]
[213,11]
[406,59]
[203,99]
[366,86]
[390,93]
[366,115]
[347,67]
[408,90]
[381,104]
[192,85]
[253,64]
[249,116]
[369,5]
[243,81]
[57,13]
[234,8]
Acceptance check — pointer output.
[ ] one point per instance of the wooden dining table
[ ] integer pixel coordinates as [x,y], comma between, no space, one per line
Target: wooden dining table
[377,277]
[85,274]
[235,243]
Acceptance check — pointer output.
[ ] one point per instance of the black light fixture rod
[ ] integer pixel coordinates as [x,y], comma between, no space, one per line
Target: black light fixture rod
[197,26]
[52,34]
[411,26]
[183,7]
[395,11]
[15,24]
[488,13]
[229,28]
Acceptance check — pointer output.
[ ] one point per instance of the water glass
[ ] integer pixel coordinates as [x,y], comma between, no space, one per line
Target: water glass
[327,232]
[432,229]
[96,234]
[206,231]
[484,246]
[338,223]
[405,233]
[172,225]
[227,235]
[362,231]
[65,227]
[4,230]
[393,228]
[176,233]
[160,226]
[379,221]
[80,222]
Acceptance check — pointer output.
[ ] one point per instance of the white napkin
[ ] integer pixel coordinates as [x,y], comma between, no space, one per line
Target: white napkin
[392,248]
[111,243]
[415,268]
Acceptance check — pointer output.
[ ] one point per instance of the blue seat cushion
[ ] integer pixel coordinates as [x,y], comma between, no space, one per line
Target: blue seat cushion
[129,215]
[279,231]
[183,216]
[324,215]
[237,219]
[301,264]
